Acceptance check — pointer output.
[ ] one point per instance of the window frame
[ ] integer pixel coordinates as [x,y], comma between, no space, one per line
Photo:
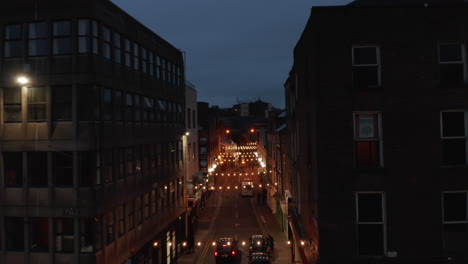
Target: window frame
[16,40]
[383,222]
[462,61]
[444,222]
[38,39]
[378,64]
[378,137]
[465,137]
[57,37]
[8,107]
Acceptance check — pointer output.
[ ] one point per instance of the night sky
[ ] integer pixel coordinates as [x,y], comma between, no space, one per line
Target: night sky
[235,49]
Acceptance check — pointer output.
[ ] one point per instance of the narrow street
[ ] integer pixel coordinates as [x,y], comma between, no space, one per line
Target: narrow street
[228,214]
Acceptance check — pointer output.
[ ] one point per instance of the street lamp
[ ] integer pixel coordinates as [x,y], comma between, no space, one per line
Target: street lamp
[22,80]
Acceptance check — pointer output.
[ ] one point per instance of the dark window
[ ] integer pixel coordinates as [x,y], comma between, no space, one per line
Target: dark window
[194,119]
[119,163]
[88,168]
[366,67]
[107,165]
[118,103]
[145,157]
[37,103]
[37,39]
[107,44]
[151,63]
[153,202]
[136,99]
[13,169]
[63,169]
[367,140]
[144,60]
[13,44]
[164,69]
[128,107]
[61,103]
[138,210]
[88,108]
[121,216]
[14,233]
[12,105]
[37,169]
[64,235]
[455,220]
[129,161]
[117,48]
[453,138]
[138,159]
[158,68]
[180,150]
[131,215]
[370,228]
[148,109]
[88,41]
[107,104]
[110,227]
[169,71]
[452,64]
[90,235]
[128,53]
[62,41]
[39,234]
[136,54]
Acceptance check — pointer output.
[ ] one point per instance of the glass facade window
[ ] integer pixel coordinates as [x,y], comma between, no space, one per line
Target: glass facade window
[107,44]
[14,233]
[107,105]
[129,107]
[128,53]
[117,48]
[136,56]
[64,234]
[12,105]
[62,103]
[118,105]
[137,108]
[37,39]
[37,169]
[39,234]
[13,169]
[453,136]
[88,38]
[37,103]
[63,168]
[62,39]
[144,60]
[13,41]
[158,68]
[151,63]
[90,235]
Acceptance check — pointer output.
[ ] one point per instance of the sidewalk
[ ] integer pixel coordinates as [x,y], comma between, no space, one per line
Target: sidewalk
[282,249]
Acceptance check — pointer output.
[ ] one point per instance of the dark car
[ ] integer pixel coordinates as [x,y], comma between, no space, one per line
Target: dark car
[227,251]
[259,258]
[258,243]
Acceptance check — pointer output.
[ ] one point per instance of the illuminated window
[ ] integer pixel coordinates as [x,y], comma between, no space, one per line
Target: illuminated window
[367,138]
[37,103]
[366,67]
[452,63]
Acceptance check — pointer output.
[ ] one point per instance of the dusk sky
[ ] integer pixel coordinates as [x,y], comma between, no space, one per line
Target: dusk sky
[235,49]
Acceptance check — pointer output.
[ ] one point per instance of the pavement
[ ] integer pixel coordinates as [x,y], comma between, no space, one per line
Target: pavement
[266,221]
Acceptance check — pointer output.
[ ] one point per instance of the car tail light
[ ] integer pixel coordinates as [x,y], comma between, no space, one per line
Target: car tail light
[216,253]
[233,252]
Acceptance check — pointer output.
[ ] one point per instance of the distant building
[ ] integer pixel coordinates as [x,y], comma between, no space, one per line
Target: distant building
[377,121]
[257,108]
[91,167]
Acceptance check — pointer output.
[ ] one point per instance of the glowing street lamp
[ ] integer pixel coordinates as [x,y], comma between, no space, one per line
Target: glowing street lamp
[22,80]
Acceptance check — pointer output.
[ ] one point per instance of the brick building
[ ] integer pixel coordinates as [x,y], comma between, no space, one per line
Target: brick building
[377,104]
[91,139]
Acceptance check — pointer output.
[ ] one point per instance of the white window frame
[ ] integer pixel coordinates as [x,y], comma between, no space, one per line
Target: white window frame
[384,217]
[443,212]
[463,57]
[378,62]
[379,135]
[456,137]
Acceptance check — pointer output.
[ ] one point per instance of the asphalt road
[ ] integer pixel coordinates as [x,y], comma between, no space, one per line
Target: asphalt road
[232,216]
